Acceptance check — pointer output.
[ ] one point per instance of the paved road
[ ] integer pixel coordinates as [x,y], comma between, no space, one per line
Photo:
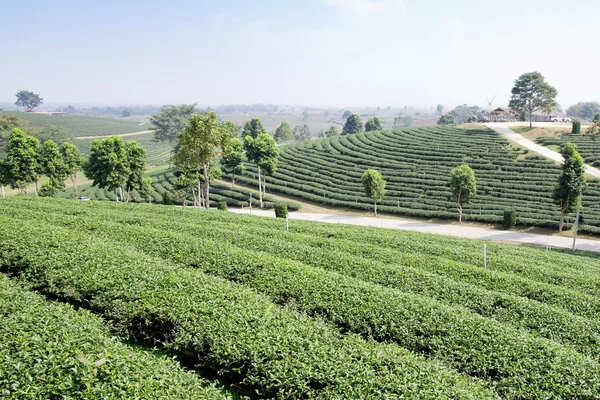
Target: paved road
[451,230]
[508,133]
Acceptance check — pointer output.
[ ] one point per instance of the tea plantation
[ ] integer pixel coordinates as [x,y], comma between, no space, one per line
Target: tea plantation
[587,145]
[237,306]
[416,164]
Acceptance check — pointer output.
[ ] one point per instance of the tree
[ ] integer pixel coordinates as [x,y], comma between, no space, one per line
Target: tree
[28,100]
[594,129]
[440,109]
[353,125]
[170,120]
[532,93]
[464,113]
[346,115]
[403,122]
[472,118]
[374,186]
[253,128]
[20,165]
[596,118]
[146,188]
[126,113]
[331,132]
[232,160]
[284,133]
[447,119]
[7,123]
[73,161]
[305,116]
[302,133]
[584,110]
[264,153]
[373,125]
[53,166]
[230,129]
[108,165]
[464,188]
[57,134]
[199,144]
[136,158]
[570,182]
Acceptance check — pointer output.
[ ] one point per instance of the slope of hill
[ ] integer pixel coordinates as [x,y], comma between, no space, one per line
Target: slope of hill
[587,145]
[416,164]
[321,311]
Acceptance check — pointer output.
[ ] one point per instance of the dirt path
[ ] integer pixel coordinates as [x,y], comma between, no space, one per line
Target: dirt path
[122,135]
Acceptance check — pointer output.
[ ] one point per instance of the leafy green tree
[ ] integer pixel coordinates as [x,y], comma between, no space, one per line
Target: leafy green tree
[57,134]
[230,129]
[447,119]
[353,125]
[232,159]
[464,187]
[170,120]
[264,153]
[284,133]
[302,133]
[53,166]
[373,125]
[146,189]
[532,93]
[594,129]
[73,161]
[331,132]
[346,115]
[305,116]
[374,186]
[253,128]
[464,113]
[108,166]
[28,100]
[570,182]
[136,157]
[21,162]
[585,110]
[7,123]
[440,109]
[472,118]
[199,144]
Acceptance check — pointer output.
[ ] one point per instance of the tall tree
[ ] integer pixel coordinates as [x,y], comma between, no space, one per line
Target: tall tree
[373,125]
[346,114]
[199,144]
[284,133]
[464,187]
[447,119]
[28,100]
[374,186]
[253,128]
[170,120]
[108,165]
[53,167]
[532,93]
[73,161]
[21,162]
[302,133]
[264,153]
[232,159]
[230,129]
[570,182]
[440,109]
[136,157]
[353,125]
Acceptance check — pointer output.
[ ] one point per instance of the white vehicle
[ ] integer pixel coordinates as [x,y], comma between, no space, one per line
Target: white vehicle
[560,119]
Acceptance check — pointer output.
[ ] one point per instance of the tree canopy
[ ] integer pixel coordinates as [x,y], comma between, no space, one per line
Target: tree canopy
[73,161]
[584,110]
[263,152]
[346,114]
[230,129]
[21,164]
[464,113]
[302,133]
[53,166]
[331,132]
[464,187]
[284,133]
[374,186]
[403,122]
[232,159]
[253,128]
[572,179]
[440,109]
[532,93]
[353,125]
[447,119]
[373,125]
[108,165]
[171,120]
[28,100]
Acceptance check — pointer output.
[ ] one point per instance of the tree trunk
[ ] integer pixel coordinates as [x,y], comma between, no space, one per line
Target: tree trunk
[264,185]
[74,180]
[35,187]
[233,181]
[200,200]
[561,224]
[116,195]
[121,193]
[459,207]
[3,196]
[259,189]
[375,208]
[206,186]
[195,198]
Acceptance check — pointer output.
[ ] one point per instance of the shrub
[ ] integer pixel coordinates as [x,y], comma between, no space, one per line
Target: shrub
[222,206]
[597,117]
[166,199]
[576,128]
[510,219]
[281,210]
[472,118]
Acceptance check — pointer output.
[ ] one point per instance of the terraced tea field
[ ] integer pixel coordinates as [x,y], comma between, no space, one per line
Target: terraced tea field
[416,164]
[322,311]
[587,145]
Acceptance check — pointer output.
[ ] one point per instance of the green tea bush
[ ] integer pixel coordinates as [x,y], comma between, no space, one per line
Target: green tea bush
[576,128]
[281,210]
[222,206]
[510,219]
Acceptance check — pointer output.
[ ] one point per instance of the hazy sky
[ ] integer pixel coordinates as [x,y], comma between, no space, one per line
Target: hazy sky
[309,52]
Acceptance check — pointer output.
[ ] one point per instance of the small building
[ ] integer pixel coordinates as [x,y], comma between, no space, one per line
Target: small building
[503,114]
[542,116]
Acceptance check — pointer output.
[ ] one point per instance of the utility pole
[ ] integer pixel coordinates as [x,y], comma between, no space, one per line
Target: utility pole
[577,217]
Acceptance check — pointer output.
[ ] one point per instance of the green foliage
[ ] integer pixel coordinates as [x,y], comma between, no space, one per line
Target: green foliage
[447,119]
[281,210]
[472,118]
[21,164]
[576,128]
[532,93]
[253,128]
[403,122]
[572,180]
[146,188]
[126,113]
[596,118]
[353,125]
[584,110]
[166,199]
[331,132]
[373,185]
[55,133]
[263,152]
[108,164]
[54,167]
[464,187]
[302,133]
[440,109]
[222,206]
[510,219]
[28,100]
[136,158]
[305,116]
[373,125]
[464,113]
[230,129]
[346,115]
[171,120]
[594,129]
[284,133]
[232,158]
